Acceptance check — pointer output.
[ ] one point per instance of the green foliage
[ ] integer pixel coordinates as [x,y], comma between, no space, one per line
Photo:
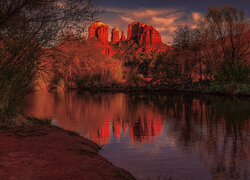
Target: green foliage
[236,72]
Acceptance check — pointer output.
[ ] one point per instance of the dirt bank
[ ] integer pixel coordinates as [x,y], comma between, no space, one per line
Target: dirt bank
[46,152]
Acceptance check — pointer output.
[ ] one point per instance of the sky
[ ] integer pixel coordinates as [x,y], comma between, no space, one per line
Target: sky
[164,15]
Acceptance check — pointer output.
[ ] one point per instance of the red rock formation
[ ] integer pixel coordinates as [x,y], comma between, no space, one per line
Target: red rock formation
[123,36]
[107,50]
[141,34]
[146,37]
[115,35]
[100,31]
[135,31]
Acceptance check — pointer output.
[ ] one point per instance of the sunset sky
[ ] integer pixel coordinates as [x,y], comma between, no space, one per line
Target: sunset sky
[164,15]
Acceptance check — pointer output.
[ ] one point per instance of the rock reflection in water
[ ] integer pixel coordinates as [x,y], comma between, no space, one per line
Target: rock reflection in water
[215,130]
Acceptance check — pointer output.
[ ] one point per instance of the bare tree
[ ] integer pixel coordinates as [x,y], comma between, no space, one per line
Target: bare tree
[45,20]
[184,45]
[27,29]
[225,33]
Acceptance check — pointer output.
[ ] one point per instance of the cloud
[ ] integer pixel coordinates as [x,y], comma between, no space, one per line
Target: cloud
[141,13]
[166,21]
[151,12]
[197,16]
[171,29]
[127,19]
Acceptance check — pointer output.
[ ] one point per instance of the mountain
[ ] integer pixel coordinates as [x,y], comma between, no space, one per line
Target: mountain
[100,31]
[123,38]
[145,37]
[115,35]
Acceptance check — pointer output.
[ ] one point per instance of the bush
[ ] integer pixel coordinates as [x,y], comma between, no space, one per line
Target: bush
[233,73]
[19,63]
[135,79]
[84,64]
[27,27]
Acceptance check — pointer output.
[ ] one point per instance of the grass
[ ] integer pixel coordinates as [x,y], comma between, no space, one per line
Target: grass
[228,88]
[71,133]
[29,133]
[38,121]
[87,152]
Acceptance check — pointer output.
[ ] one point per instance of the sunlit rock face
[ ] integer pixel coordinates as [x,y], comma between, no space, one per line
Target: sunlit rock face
[115,35]
[146,37]
[100,31]
[123,38]
[108,50]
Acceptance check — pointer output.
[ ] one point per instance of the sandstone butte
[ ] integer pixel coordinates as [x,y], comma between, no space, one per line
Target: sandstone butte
[123,38]
[100,31]
[148,38]
[115,35]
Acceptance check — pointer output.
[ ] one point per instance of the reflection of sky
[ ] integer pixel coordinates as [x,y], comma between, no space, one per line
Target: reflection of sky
[159,157]
[165,15]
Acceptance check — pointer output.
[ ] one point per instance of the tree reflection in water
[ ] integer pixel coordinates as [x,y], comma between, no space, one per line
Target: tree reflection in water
[217,128]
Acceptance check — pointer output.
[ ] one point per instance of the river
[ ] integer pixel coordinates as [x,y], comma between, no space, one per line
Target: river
[158,136]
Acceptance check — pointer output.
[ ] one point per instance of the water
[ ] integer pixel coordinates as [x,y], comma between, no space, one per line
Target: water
[158,136]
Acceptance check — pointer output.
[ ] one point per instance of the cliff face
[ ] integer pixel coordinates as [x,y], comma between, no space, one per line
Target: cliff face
[107,50]
[100,31]
[146,37]
[115,35]
[123,36]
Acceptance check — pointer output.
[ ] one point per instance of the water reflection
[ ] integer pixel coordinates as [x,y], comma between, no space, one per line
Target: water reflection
[210,134]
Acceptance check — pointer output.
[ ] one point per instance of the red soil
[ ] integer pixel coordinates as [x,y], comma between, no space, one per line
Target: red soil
[44,152]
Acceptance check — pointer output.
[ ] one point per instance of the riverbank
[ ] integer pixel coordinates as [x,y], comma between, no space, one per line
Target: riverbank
[42,151]
[214,88]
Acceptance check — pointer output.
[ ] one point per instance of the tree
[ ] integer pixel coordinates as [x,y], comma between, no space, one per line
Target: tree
[27,29]
[45,21]
[225,32]
[184,46]
[167,68]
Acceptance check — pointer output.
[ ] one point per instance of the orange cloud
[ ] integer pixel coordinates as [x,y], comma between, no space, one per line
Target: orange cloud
[127,19]
[197,16]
